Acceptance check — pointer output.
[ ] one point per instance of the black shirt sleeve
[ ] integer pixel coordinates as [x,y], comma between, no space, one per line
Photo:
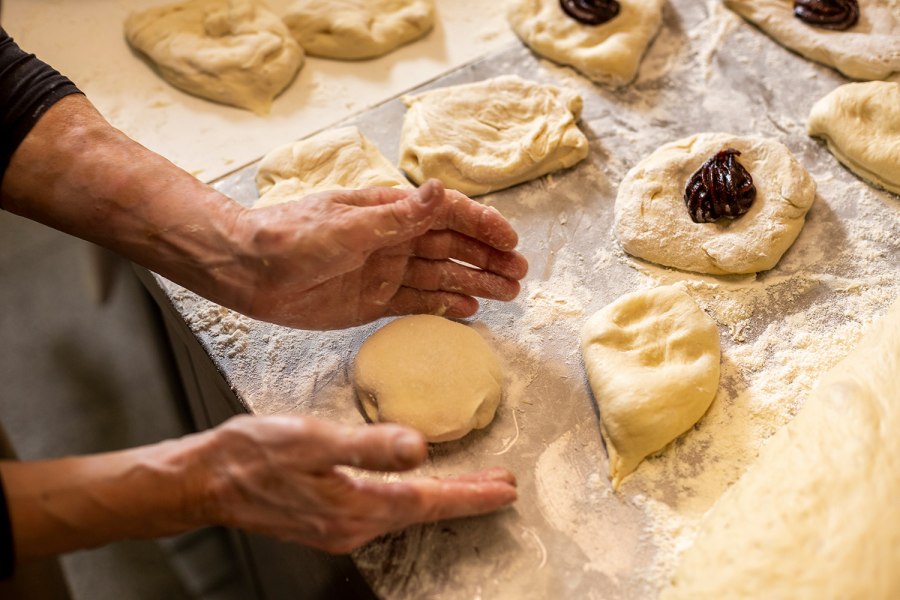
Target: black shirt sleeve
[7,550]
[28,87]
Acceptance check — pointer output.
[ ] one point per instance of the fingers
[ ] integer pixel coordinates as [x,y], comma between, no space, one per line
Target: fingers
[424,500]
[385,223]
[439,245]
[484,223]
[452,211]
[376,447]
[410,301]
[448,276]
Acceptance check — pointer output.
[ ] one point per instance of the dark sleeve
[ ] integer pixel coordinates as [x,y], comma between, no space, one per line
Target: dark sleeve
[7,550]
[28,87]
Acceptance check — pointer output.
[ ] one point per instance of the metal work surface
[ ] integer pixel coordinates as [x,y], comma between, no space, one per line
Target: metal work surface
[570,535]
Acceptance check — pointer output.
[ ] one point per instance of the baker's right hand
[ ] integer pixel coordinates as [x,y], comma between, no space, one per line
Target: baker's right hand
[282,476]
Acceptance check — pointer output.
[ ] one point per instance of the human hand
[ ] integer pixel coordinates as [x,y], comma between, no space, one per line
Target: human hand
[282,476]
[344,258]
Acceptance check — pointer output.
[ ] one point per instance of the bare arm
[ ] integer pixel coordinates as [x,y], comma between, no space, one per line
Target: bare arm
[329,260]
[270,475]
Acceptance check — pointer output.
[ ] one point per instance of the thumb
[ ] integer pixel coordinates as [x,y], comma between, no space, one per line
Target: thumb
[406,218]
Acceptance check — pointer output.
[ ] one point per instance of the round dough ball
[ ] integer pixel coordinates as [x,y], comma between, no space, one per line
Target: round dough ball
[432,374]
[653,223]
[868,50]
[356,29]
[861,125]
[493,134]
[231,51]
[652,359]
[335,159]
[609,53]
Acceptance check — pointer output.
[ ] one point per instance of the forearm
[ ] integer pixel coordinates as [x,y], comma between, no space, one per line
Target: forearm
[78,174]
[67,504]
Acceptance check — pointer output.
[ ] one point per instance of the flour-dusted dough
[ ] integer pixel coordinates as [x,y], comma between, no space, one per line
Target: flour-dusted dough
[653,223]
[868,50]
[356,29]
[652,359]
[332,160]
[861,124]
[493,134]
[818,515]
[232,51]
[435,375]
[609,53]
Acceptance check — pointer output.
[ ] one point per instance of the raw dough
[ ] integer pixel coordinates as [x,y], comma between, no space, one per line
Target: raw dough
[652,359]
[486,136]
[430,373]
[653,223]
[609,53]
[868,50]
[232,51]
[332,160]
[355,29]
[817,516]
[861,124]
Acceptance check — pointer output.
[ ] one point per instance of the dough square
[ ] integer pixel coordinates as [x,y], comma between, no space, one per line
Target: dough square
[652,222]
[860,122]
[490,135]
[609,53]
[235,52]
[334,159]
[868,50]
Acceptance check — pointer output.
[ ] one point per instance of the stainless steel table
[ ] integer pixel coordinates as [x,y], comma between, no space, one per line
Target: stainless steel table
[569,535]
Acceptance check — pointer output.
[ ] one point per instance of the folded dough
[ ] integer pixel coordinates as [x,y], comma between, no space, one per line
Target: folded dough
[818,514]
[356,29]
[231,51]
[493,134]
[860,122]
[609,53]
[332,160]
[652,359]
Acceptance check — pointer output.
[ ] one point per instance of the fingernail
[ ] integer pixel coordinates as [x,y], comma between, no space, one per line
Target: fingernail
[408,447]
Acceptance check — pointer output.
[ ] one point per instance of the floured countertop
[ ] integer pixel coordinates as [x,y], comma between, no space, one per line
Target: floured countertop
[85,41]
[570,535]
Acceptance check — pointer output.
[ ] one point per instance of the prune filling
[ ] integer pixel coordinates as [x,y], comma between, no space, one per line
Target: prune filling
[721,187]
[590,12]
[828,14]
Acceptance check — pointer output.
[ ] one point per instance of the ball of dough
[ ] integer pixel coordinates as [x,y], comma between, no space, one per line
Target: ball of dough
[356,29]
[861,125]
[653,223]
[232,51]
[652,359]
[609,53]
[817,516]
[332,160]
[868,50]
[432,374]
[486,136]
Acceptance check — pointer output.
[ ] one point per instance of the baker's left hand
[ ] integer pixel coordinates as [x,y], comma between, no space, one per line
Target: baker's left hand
[338,259]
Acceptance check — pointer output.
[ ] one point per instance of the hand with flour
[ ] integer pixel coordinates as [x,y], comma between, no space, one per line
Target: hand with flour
[335,260]
[276,475]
